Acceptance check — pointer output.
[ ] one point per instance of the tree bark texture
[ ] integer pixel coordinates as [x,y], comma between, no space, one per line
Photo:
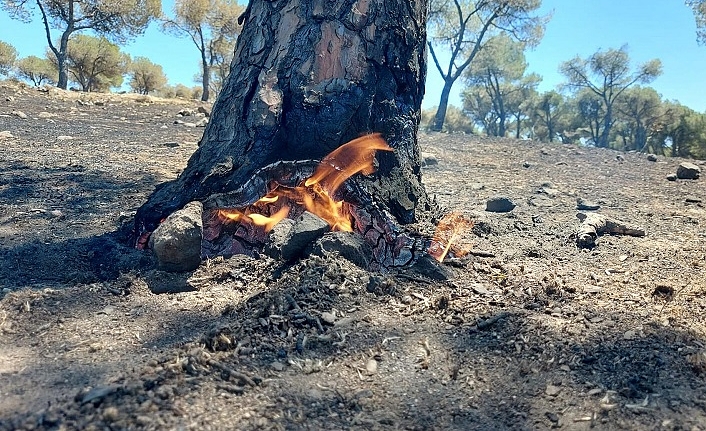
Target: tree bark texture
[307,77]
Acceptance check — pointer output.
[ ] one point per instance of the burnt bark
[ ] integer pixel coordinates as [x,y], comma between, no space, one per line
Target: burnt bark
[309,76]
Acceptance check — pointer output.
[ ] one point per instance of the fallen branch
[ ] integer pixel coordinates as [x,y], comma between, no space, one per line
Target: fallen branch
[593,224]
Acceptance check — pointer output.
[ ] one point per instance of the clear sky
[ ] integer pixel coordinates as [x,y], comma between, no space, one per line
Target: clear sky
[652,29]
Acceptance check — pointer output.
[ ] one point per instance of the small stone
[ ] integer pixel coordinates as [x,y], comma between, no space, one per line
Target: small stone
[19,114]
[371,366]
[45,115]
[277,366]
[629,335]
[204,110]
[500,204]
[170,144]
[672,177]
[111,414]
[307,228]
[5,134]
[552,417]
[552,390]
[349,245]
[526,164]
[64,138]
[56,213]
[177,240]
[477,186]
[201,123]
[652,157]
[693,200]
[688,171]
[429,159]
[329,318]
[586,205]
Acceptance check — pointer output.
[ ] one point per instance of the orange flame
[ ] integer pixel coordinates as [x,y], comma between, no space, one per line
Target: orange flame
[315,193]
[450,229]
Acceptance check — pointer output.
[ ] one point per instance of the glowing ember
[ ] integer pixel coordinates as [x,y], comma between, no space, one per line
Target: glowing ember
[449,231]
[315,194]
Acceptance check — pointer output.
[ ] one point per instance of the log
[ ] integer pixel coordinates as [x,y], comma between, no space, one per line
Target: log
[593,224]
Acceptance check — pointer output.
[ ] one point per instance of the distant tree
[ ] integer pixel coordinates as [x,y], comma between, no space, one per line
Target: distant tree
[8,56]
[36,70]
[118,20]
[146,77]
[639,113]
[681,132]
[212,26]
[479,107]
[456,120]
[95,63]
[461,28]
[498,71]
[607,75]
[699,8]
[520,104]
[550,115]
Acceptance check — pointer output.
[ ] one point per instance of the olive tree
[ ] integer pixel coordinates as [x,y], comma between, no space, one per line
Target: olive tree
[8,55]
[145,76]
[607,74]
[95,63]
[118,20]
[212,25]
[36,70]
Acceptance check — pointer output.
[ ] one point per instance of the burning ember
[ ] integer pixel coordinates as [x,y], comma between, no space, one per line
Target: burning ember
[315,194]
[238,222]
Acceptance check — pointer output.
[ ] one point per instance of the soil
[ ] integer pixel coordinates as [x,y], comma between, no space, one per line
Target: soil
[530,333]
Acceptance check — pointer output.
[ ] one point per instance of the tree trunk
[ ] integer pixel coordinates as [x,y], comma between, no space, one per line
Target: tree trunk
[205,78]
[308,76]
[440,115]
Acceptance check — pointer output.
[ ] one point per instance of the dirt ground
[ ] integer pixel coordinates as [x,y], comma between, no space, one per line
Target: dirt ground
[530,333]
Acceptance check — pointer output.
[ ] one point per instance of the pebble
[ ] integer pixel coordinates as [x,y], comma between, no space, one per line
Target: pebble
[19,114]
[652,157]
[329,318]
[277,366]
[500,204]
[672,177]
[5,134]
[688,171]
[371,366]
[586,205]
[552,390]
[64,138]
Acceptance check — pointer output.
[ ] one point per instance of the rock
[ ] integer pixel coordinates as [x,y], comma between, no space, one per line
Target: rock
[170,144]
[349,245]
[552,390]
[203,110]
[45,115]
[672,177]
[477,186]
[585,204]
[277,237]
[526,164]
[64,138]
[500,204]
[652,157]
[186,112]
[19,114]
[97,394]
[328,317]
[202,122]
[307,228]
[429,267]
[693,200]
[5,134]
[429,159]
[371,366]
[688,171]
[177,241]
[277,366]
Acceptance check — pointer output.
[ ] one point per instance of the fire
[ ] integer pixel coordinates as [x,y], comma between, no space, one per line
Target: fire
[315,194]
[449,231]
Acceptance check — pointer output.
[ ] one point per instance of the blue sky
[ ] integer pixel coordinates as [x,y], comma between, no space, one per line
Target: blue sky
[651,29]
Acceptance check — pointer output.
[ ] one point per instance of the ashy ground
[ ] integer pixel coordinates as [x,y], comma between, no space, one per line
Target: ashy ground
[530,333]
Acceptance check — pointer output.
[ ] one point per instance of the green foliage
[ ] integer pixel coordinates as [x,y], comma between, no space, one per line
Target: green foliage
[36,70]
[639,112]
[681,132]
[456,121]
[551,117]
[213,27]
[95,63]
[497,89]
[699,8]
[146,77]
[607,75]
[462,27]
[8,56]
[118,20]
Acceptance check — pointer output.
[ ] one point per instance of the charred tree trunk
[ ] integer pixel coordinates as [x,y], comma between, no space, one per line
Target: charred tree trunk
[307,77]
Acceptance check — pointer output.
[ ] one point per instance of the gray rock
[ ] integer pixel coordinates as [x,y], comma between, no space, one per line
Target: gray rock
[688,171]
[652,157]
[177,241]
[186,112]
[5,134]
[204,111]
[672,177]
[429,159]
[585,204]
[349,245]
[500,204]
[277,237]
[202,122]
[307,228]
[19,114]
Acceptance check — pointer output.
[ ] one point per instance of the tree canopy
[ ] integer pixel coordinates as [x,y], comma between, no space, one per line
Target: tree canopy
[699,8]
[145,76]
[36,70]
[8,56]
[212,25]
[95,63]
[461,28]
[607,74]
[118,20]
